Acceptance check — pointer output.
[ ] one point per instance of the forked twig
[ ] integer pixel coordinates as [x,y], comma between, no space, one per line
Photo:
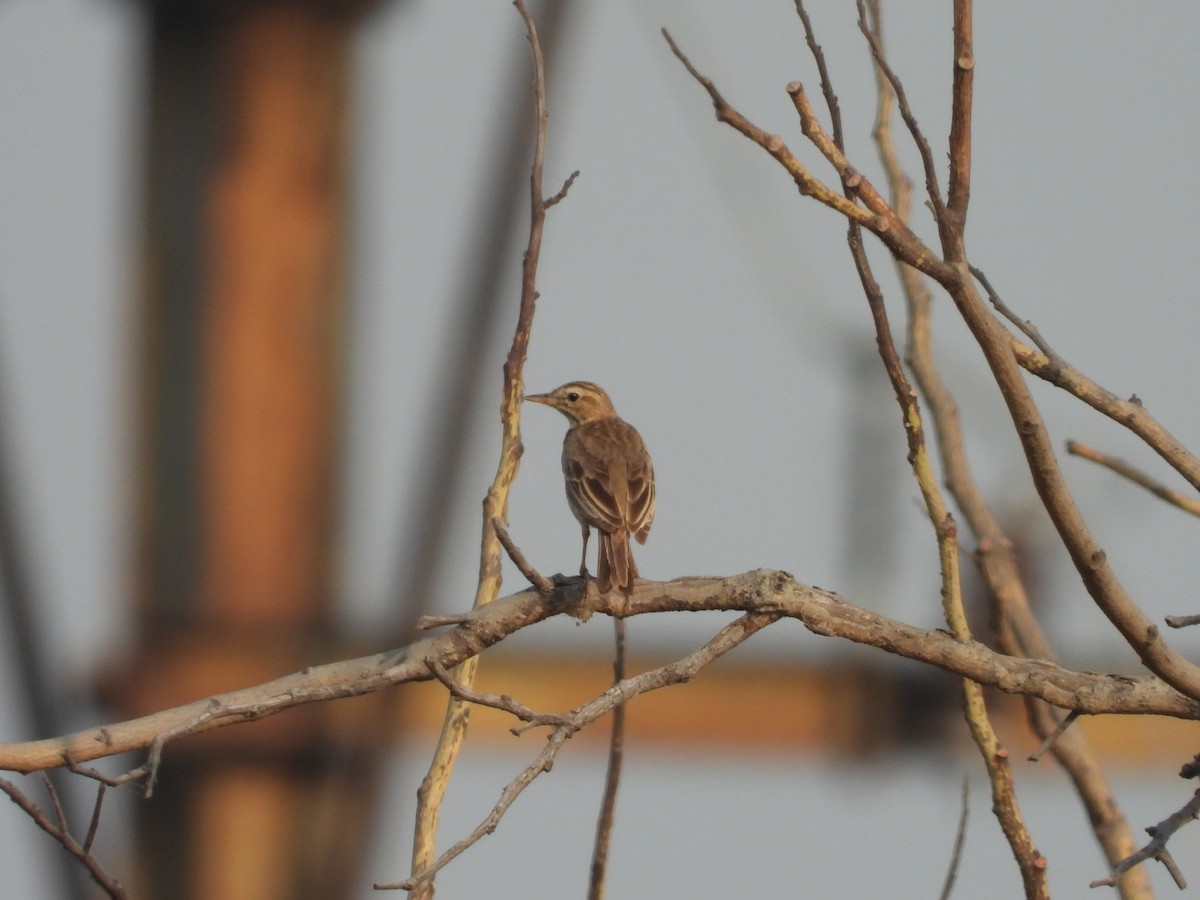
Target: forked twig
[1019,632]
[678,672]
[1157,847]
[62,834]
[874,214]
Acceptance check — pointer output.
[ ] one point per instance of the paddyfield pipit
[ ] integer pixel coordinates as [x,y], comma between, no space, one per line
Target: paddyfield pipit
[610,479]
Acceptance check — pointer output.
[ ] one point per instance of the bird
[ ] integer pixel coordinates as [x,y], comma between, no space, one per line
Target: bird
[609,479]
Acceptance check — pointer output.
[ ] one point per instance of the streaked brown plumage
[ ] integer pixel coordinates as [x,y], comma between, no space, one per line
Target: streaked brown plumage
[610,479]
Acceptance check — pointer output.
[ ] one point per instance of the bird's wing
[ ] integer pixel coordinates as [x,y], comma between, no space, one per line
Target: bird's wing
[586,465]
[639,515]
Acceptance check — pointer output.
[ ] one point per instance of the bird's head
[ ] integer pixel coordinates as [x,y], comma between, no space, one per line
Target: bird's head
[579,401]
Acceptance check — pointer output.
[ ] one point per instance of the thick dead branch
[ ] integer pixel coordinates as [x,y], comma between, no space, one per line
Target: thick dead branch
[761,590]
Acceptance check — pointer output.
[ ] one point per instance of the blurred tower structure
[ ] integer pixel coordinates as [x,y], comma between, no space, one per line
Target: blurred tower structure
[242,311]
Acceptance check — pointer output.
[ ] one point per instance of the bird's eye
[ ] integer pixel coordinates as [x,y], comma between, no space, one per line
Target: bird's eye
[573,396]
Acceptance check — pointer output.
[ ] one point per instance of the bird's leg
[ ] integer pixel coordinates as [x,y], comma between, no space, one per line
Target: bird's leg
[583,572]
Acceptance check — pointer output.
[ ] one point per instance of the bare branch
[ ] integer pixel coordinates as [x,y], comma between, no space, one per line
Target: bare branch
[1090,561]
[94,824]
[831,100]
[1089,558]
[1053,368]
[495,505]
[1017,629]
[995,757]
[1026,327]
[562,193]
[55,804]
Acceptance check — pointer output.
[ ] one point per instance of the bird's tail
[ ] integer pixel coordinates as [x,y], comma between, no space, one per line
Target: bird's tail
[615,565]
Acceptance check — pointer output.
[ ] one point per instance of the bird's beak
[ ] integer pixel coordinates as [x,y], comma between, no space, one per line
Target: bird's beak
[540,398]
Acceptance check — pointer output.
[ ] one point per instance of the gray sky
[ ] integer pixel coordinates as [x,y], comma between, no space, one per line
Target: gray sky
[686,275]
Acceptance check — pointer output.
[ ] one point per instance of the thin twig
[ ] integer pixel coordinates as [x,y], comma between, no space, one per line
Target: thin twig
[97,775]
[1026,327]
[501,702]
[612,777]
[55,804]
[543,763]
[544,585]
[94,824]
[1054,735]
[960,840]
[562,193]
[897,87]
[1182,621]
[831,100]
[1178,499]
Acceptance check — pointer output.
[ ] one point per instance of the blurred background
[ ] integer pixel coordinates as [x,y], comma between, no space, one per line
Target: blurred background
[259,266]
